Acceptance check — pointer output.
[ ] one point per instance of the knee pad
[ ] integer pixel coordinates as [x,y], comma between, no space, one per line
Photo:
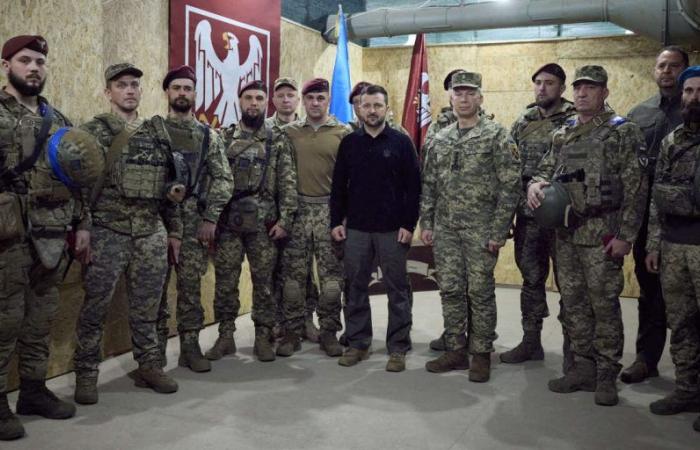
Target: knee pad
[291,291]
[330,291]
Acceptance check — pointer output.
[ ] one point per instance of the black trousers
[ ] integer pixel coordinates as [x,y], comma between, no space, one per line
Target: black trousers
[361,248]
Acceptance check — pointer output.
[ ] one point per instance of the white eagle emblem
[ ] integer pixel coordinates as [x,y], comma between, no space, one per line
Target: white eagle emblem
[424,115]
[220,80]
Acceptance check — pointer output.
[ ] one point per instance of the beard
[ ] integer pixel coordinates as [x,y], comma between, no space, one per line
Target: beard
[251,121]
[691,113]
[374,122]
[23,88]
[546,103]
[181,105]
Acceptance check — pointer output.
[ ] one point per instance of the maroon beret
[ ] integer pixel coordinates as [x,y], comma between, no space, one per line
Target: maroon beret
[179,72]
[315,85]
[17,43]
[255,84]
[357,90]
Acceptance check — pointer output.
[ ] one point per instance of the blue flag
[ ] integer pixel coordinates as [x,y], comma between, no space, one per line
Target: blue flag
[340,86]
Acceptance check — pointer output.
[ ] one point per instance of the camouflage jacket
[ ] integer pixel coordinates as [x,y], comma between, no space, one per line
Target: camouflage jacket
[132,201]
[673,180]
[277,197]
[533,134]
[215,185]
[471,181]
[610,197]
[276,124]
[445,118]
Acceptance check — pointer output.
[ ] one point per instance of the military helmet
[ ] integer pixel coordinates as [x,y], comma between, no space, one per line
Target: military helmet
[554,207]
[75,157]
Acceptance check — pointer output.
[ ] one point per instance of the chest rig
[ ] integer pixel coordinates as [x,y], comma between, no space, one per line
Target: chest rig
[594,184]
[676,191]
[249,160]
[192,150]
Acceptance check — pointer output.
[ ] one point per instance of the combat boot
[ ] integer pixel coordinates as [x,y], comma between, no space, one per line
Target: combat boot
[530,349]
[438,344]
[396,363]
[36,399]
[582,377]
[10,426]
[310,332]
[480,370]
[450,360]
[676,402]
[263,347]
[153,377]
[637,372]
[606,389]
[290,343]
[353,356]
[85,389]
[329,344]
[224,345]
[191,354]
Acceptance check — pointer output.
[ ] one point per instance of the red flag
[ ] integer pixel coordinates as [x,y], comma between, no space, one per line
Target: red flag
[416,106]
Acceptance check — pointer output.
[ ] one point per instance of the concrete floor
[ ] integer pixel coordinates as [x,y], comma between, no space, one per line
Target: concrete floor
[308,401]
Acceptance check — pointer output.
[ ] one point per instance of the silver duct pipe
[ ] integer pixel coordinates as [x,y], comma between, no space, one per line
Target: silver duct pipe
[668,21]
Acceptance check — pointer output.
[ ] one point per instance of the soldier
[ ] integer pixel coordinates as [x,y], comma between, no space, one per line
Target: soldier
[129,227]
[446,117]
[260,212]
[599,157]
[285,97]
[314,143]
[209,188]
[31,263]
[471,186]
[656,117]
[674,246]
[354,99]
[532,132]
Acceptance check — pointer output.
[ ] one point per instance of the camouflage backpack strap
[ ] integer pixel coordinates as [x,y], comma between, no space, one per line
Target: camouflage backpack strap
[202,158]
[120,140]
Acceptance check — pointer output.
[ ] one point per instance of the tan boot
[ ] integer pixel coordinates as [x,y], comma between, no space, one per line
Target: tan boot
[224,345]
[480,370]
[396,363]
[582,377]
[263,347]
[353,356]
[153,377]
[450,360]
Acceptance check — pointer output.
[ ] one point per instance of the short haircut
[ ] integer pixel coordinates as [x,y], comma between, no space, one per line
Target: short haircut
[676,49]
[376,89]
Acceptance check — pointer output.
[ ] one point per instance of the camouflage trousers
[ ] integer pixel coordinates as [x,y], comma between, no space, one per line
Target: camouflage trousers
[28,304]
[261,252]
[143,261]
[467,288]
[311,289]
[680,281]
[194,257]
[590,283]
[310,235]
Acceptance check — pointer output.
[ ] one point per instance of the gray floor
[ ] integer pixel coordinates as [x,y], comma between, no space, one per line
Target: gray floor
[308,401]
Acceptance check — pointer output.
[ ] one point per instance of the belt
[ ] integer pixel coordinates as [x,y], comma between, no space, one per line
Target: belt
[323,199]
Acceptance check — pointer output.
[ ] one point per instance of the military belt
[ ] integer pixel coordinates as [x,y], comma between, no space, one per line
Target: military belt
[323,199]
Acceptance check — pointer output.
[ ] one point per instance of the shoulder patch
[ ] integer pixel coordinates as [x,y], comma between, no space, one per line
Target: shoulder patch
[570,122]
[617,120]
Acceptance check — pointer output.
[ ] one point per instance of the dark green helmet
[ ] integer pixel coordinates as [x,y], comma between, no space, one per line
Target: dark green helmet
[554,207]
[75,157]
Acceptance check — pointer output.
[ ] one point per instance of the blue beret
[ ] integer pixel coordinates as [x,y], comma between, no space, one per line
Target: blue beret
[690,72]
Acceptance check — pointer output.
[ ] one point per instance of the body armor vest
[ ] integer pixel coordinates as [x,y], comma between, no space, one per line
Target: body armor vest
[185,142]
[674,190]
[248,163]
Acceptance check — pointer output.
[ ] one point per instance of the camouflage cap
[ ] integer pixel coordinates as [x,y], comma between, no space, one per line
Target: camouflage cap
[466,79]
[116,70]
[594,74]
[447,82]
[286,81]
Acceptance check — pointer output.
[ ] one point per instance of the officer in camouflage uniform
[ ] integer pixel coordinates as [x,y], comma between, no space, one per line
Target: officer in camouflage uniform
[471,186]
[533,244]
[129,224]
[313,142]
[209,188]
[600,159]
[31,264]
[261,211]
[285,98]
[657,117]
[674,239]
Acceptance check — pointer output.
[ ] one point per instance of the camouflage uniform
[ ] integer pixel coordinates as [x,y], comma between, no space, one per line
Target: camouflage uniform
[31,265]
[471,185]
[204,202]
[276,203]
[128,224]
[608,202]
[310,232]
[533,245]
[674,231]
[445,118]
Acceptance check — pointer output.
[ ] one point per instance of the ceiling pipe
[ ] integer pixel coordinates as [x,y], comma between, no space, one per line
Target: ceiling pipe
[668,21]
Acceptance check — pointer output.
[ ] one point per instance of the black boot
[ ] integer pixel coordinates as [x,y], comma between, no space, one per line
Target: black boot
[529,349]
[10,426]
[36,399]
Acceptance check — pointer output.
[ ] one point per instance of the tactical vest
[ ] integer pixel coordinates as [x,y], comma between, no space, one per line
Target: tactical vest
[248,161]
[601,189]
[188,143]
[674,192]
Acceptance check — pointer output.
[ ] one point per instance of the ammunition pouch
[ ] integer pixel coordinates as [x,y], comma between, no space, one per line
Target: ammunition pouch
[241,215]
[11,221]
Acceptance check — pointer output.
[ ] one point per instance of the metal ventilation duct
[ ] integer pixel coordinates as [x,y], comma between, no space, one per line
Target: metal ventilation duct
[667,21]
